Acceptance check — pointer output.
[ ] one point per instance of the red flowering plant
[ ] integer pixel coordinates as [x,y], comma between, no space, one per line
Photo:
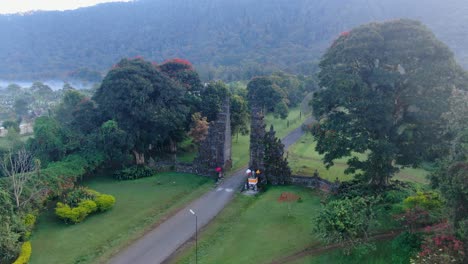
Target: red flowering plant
[441,248]
[422,209]
[182,71]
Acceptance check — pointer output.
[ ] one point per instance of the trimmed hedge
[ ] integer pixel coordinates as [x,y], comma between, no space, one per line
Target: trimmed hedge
[105,202]
[25,254]
[134,172]
[93,202]
[68,214]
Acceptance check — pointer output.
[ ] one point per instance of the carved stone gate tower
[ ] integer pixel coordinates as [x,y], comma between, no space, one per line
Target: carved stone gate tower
[215,150]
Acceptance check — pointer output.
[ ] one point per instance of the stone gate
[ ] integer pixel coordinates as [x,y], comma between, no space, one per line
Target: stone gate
[215,150]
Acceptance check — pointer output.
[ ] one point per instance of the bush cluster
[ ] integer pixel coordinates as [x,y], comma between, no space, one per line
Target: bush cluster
[134,172]
[25,254]
[78,208]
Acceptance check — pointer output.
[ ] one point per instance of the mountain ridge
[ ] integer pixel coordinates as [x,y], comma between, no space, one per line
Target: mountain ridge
[225,38]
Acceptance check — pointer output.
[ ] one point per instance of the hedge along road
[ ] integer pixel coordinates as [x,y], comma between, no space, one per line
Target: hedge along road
[158,245]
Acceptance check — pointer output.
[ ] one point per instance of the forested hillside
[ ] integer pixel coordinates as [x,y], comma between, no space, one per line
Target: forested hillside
[226,39]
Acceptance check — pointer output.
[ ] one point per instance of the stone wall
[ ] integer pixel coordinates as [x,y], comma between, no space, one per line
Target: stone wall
[215,150]
[315,182]
[257,148]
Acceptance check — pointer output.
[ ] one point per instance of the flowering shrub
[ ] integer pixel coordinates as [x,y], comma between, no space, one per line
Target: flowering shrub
[441,249]
[421,209]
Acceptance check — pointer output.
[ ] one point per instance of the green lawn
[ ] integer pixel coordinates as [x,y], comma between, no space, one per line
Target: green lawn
[257,229]
[140,204]
[240,146]
[304,160]
[382,255]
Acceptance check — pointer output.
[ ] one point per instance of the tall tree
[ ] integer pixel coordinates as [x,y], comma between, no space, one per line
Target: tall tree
[146,103]
[384,89]
[19,169]
[239,115]
[263,92]
[213,98]
[277,169]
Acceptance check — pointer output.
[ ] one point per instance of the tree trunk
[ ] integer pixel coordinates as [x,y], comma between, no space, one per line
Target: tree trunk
[139,157]
[173,149]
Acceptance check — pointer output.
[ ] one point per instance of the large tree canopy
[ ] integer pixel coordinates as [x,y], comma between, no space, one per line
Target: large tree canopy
[384,89]
[145,102]
[264,93]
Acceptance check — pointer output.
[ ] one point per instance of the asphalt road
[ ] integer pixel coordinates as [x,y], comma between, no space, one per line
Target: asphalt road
[157,245]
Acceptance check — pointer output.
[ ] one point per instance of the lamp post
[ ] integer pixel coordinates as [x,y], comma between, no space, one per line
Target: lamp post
[196,235]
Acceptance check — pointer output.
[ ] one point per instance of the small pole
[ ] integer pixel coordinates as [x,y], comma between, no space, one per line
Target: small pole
[196,235]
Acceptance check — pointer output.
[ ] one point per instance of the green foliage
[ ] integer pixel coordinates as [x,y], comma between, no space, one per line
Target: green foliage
[76,195]
[277,169]
[71,215]
[263,92]
[225,41]
[239,115]
[25,255]
[146,103]
[89,205]
[11,125]
[134,172]
[29,220]
[296,87]
[113,142]
[80,202]
[368,104]
[183,72]
[11,228]
[346,221]
[213,98]
[426,201]
[104,202]
[405,246]
[49,140]
[71,168]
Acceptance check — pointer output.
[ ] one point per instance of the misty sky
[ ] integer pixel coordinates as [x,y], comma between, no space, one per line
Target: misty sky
[15,6]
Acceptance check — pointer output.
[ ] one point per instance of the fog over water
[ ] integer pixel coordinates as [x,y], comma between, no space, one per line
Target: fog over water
[54,84]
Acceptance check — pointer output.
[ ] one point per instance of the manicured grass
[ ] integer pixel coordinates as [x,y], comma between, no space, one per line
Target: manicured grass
[304,160]
[240,146]
[382,255]
[140,204]
[257,229]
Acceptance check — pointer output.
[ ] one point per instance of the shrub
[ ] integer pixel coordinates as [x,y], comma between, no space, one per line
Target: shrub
[83,208]
[68,214]
[420,209]
[105,202]
[405,246]
[89,205]
[134,172]
[426,200]
[346,221]
[29,220]
[25,254]
[441,249]
[75,196]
